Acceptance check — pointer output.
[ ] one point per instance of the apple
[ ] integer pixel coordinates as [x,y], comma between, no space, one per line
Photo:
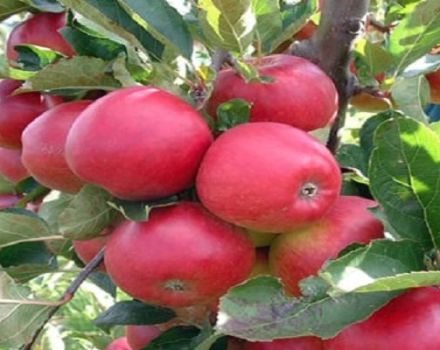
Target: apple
[261,266]
[296,255]
[17,112]
[301,343]
[434,83]
[139,143]
[88,249]
[260,239]
[409,322]
[268,177]
[138,337]
[40,30]
[181,256]
[8,200]
[119,344]
[369,103]
[44,143]
[11,166]
[301,95]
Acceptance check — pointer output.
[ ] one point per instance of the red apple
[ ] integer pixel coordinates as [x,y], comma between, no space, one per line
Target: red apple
[11,166]
[139,337]
[302,343]
[409,322]
[261,266]
[301,95]
[8,200]
[434,83]
[119,344]
[40,30]
[17,111]
[88,249]
[261,239]
[301,253]
[138,143]
[268,177]
[181,256]
[44,143]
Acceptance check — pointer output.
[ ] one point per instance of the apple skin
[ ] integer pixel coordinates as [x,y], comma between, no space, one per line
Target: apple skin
[11,166]
[87,249]
[409,322]
[17,112]
[139,143]
[301,343]
[119,344]
[302,95]
[261,266]
[261,239]
[44,143]
[181,256]
[296,255]
[8,200]
[258,175]
[41,30]
[434,83]
[139,337]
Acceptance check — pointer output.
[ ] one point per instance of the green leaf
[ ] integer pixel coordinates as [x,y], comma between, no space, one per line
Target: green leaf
[369,128]
[80,72]
[294,16]
[232,113]
[426,64]
[20,225]
[87,215]
[51,210]
[377,59]
[269,22]
[11,7]
[367,265]
[405,179]
[228,24]
[7,72]
[177,338]
[89,43]
[134,313]
[416,34]
[354,157]
[45,5]
[411,96]
[19,319]
[140,211]
[25,261]
[103,281]
[112,17]
[6,187]
[34,58]
[403,281]
[163,21]
[258,310]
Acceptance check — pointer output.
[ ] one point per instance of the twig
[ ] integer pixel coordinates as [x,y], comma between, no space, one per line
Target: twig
[220,57]
[69,294]
[37,193]
[341,22]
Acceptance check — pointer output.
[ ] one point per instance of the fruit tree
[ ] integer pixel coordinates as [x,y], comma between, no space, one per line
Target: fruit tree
[219,174]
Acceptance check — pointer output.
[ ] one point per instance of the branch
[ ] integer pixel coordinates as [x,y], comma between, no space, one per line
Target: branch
[69,294]
[341,22]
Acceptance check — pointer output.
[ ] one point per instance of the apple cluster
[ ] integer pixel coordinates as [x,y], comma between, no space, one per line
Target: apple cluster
[268,193]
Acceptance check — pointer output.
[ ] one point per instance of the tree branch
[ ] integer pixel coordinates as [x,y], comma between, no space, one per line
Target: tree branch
[341,22]
[69,294]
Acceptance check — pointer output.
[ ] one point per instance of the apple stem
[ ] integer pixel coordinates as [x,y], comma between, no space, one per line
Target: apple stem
[68,294]
[341,22]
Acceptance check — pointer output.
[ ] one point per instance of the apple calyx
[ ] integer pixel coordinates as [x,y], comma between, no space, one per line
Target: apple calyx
[309,190]
[175,285]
